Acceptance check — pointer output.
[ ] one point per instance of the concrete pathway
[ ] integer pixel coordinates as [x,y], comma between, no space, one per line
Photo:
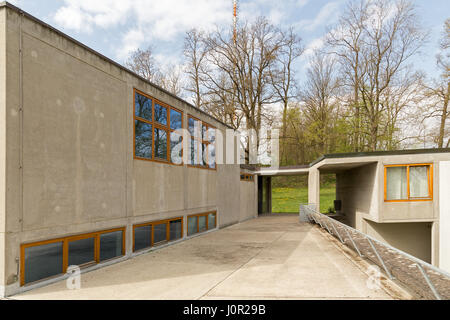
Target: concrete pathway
[272,257]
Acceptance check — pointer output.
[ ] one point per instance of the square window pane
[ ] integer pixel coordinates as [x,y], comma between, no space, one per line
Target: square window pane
[210,135]
[176,148]
[81,251]
[176,120]
[211,221]
[202,223]
[143,107]
[143,143]
[192,225]
[176,231]
[142,237]
[160,233]
[44,261]
[160,114]
[160,144]
[396,183]
[418,182]
[111,245]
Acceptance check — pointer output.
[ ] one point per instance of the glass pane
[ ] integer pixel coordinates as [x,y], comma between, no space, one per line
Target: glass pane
[203,156]
[43,261]
[176,148]
[212,156]
[175,120]
[204,128]
[143,107]
[195,160]
[142,237]
[211,221]
[211,135]
[81,252]
[160,233]
[418,182]
[396,183]
[160,114]
[143,145]
[191,125]
[160,144]
[202,223]
[192,225]
[175,230]
[110,245]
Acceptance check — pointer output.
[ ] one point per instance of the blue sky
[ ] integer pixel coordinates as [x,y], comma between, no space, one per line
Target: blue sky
[115,27]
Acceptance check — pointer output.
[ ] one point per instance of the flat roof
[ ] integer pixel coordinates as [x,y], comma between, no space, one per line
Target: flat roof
[379,153]
[118,65]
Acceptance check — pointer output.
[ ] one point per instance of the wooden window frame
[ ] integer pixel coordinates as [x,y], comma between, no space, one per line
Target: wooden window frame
[65,245]
[198,215]
[155,125]
[430,182]
[202,142]
[158,222]
[247,177]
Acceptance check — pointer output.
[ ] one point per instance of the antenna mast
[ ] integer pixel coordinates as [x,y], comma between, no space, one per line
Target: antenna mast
[234,20]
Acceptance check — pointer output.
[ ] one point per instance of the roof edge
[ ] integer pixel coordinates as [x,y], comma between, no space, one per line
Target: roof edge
[8,5]
[379,153]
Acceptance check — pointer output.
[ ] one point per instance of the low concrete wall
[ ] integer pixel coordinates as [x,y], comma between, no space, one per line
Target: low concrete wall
[357,189]
[413,238]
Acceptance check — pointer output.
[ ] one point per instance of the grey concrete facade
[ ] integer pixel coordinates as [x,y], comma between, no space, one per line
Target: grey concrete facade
[66,149]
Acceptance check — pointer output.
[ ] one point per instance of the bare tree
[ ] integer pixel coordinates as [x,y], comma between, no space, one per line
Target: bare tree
[283,76]
[195,55]
[143,63]
[438,93]
[320,103]
[384,36]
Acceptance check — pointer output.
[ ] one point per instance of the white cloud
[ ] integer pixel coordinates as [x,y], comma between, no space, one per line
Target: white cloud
[146,20]
[302,3]
[322,18]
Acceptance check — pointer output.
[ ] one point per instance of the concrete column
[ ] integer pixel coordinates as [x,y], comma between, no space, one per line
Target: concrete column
[269,195]
[314,187]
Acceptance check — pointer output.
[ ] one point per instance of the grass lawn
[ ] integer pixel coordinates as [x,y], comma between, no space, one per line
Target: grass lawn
[289,199]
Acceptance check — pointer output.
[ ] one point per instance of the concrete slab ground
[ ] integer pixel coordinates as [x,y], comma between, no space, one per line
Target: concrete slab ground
[272,257]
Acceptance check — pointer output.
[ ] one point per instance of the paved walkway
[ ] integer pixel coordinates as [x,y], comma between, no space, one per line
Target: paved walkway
[272,257]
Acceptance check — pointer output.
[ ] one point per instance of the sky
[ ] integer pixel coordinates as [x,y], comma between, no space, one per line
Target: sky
[117,27]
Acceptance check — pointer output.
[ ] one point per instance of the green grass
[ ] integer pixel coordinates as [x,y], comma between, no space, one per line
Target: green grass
[289,199]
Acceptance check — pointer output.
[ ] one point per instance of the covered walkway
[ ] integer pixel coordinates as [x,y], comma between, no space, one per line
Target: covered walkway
[272,257]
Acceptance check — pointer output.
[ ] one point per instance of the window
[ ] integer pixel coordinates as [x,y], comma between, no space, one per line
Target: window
[149,234]
[42,260]
[201,222]
[203,144]
[412,182]
[247,177]
[154,130]
[111,245]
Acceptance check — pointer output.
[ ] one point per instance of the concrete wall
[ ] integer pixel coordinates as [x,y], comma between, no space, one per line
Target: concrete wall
[2,147]
[444,215]
[70,166]
[413,238]
[357,189]
[249,198]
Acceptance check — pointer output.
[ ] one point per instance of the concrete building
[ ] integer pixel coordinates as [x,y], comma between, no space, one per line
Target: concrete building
[400,197]
[90,170]
[87,173]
